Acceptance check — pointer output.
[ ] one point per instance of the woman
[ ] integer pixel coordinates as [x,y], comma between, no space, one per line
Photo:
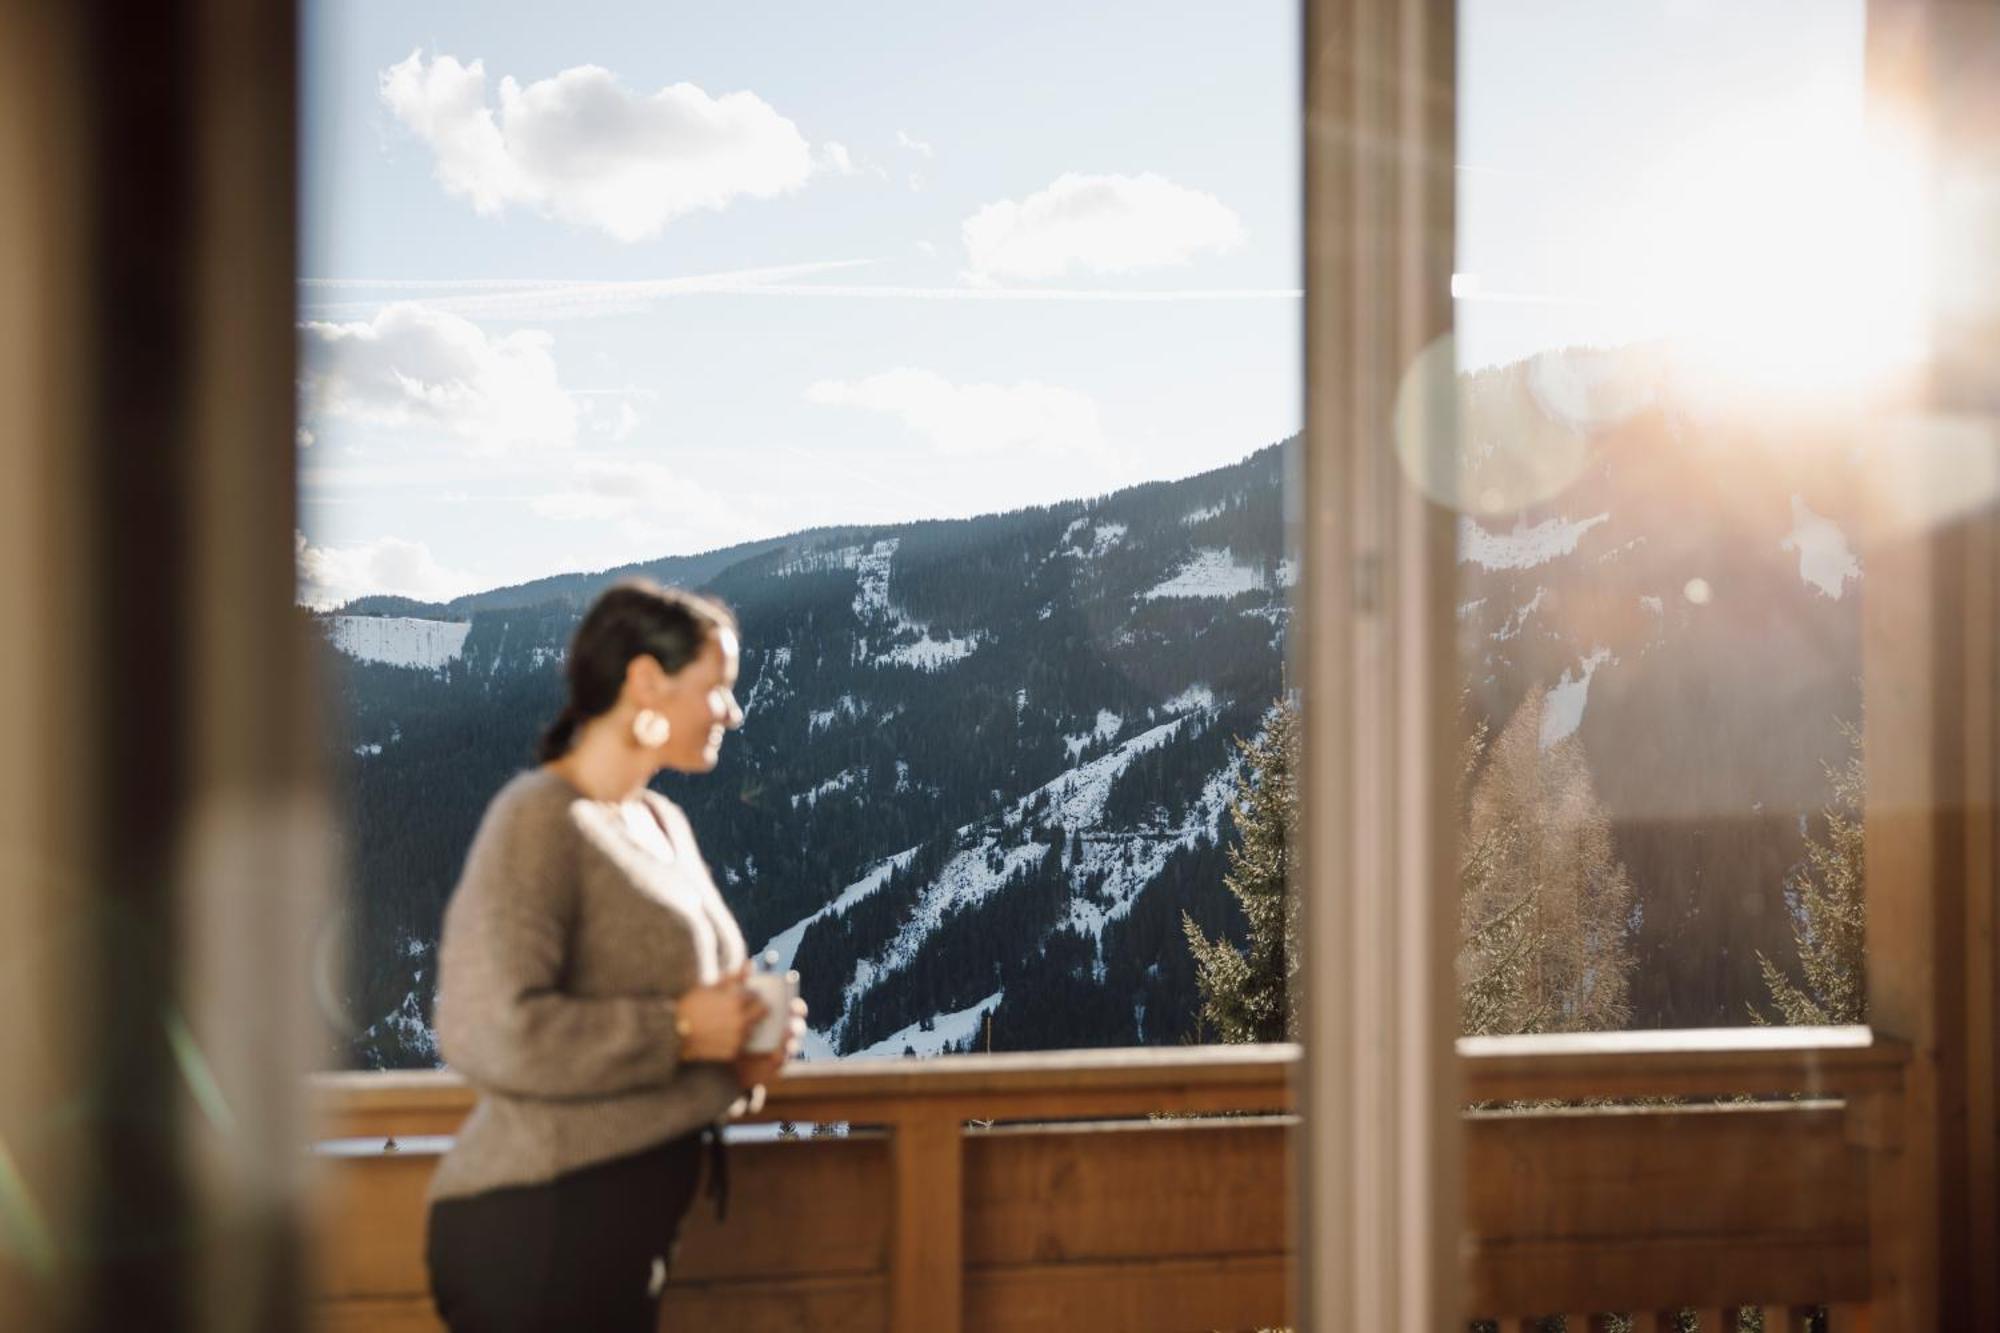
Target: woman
[590,988]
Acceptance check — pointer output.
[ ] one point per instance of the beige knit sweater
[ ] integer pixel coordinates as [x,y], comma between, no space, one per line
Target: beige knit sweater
[564,946]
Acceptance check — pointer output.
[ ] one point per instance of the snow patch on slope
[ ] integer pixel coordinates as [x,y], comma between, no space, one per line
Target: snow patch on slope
[841,781]
[1825,559]
[818,562]
[873,608]
[402,641]
[945,1030]
[1191,699]
[1122,863]
[1103,536]
[786,942]
[927,653]
[1134,860]
[1109,724]
[406,1021]
[845,708]
[776,662]
[1212,572]
[1519,620]
[1562,706]
[1525,546]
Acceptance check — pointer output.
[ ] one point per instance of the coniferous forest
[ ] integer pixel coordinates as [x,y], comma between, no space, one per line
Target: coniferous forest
[985,792]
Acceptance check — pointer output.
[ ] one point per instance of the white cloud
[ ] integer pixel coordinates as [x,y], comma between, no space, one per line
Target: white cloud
[974,418]
[329,576]
[1102,224]
[583,148]
[915,145]
[649,508]
[412,366]
[835,158]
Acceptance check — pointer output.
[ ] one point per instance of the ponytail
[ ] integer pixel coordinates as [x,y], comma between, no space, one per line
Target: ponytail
[559,735]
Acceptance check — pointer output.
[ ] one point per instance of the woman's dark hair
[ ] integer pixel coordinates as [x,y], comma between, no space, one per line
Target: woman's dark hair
[630,618]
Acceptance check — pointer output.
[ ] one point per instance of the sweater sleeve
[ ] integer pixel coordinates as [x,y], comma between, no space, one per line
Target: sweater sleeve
[504,1019]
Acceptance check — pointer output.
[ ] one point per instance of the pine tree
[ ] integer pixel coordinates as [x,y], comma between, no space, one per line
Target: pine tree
[1543,898]
[1828,899]
[1250,995]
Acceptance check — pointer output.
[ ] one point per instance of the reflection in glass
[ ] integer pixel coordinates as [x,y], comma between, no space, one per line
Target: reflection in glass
[1678,303]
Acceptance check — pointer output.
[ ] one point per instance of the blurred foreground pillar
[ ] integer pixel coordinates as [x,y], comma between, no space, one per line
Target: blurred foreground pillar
[163,836]
[1379,1227]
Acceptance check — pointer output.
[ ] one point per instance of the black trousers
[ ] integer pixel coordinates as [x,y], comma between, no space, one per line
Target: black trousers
[586,1251]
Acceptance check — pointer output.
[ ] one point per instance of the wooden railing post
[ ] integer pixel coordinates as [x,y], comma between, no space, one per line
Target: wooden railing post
[927,1256]
[1877,1123]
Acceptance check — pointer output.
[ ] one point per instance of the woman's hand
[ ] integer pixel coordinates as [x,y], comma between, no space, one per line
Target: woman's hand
[765,1066]
[714,1021]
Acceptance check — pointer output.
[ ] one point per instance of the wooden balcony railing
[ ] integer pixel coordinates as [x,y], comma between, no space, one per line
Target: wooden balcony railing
[1049,1191]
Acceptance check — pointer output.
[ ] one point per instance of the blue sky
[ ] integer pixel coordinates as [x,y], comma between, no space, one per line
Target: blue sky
[909,260]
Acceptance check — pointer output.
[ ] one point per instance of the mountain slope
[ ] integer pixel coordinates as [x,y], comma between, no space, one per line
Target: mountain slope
[961,695]
[986,763]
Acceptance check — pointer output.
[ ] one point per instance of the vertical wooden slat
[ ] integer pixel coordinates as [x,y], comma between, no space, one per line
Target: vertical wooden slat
[927,1255]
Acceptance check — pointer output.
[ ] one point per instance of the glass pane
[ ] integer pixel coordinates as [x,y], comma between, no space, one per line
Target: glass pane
[955,350]
[1686,259]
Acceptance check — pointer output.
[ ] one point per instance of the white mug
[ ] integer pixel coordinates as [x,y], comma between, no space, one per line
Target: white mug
[777,990]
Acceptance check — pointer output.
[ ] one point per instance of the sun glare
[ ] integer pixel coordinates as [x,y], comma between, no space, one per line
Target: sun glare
[1801,266]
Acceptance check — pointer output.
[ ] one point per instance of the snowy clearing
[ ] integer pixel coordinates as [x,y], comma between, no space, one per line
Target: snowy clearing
[819,562]
[1525,546]
[401,641]
[1211,573]
[1193,698]
[1562,706]
[1103,536]
[928,654]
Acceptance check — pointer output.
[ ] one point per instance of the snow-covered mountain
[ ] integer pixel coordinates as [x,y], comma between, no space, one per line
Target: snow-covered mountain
[986,763]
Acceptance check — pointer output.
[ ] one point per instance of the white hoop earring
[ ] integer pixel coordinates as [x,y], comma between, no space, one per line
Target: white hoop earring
[650,729]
